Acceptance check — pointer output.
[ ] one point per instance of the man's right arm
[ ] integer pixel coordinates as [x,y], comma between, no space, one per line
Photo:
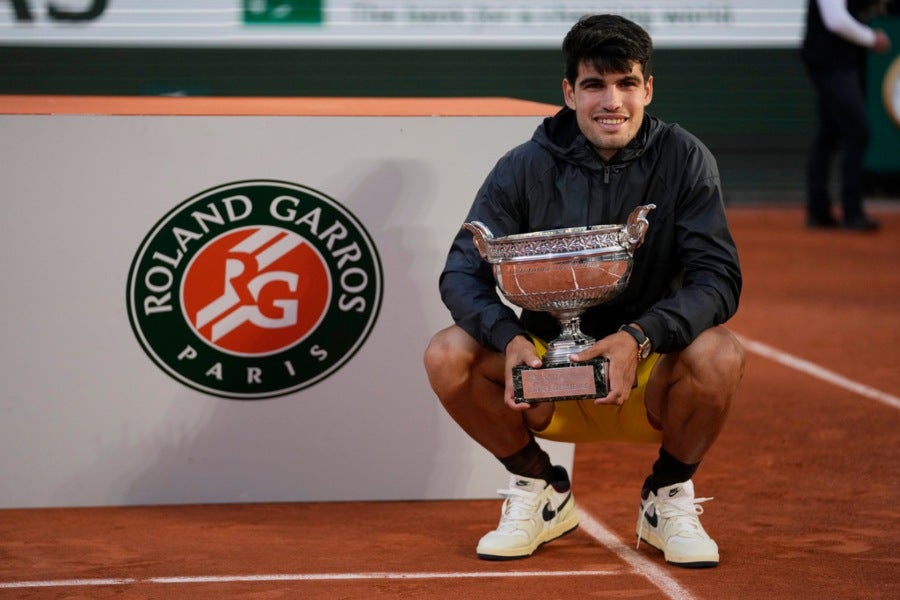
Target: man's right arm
[467,283]
[468,289]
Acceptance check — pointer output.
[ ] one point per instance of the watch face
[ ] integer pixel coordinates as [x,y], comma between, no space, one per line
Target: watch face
[645,349]
[891,91]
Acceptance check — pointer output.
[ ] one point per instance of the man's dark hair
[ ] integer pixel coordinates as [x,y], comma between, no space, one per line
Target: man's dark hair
[609,42]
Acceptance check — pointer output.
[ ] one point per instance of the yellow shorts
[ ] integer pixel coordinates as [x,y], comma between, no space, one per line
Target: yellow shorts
[584,421]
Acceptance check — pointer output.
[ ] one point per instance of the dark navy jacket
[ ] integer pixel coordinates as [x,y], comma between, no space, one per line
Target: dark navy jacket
[686,275]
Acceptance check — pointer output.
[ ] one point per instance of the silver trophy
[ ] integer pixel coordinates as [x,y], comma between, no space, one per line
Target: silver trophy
[563,272]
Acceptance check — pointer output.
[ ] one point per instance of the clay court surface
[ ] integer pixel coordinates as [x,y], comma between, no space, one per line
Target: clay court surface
[805,479]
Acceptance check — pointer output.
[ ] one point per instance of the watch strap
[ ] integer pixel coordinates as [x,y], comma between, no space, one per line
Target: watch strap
[642,340]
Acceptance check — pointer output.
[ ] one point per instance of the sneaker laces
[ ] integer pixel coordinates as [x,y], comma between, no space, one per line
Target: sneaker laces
[681,517]
[518,505]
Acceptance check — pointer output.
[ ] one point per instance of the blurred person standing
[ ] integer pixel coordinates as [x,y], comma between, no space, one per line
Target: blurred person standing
[834,54]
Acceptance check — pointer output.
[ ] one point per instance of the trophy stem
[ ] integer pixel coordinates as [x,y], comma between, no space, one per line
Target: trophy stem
[570,340]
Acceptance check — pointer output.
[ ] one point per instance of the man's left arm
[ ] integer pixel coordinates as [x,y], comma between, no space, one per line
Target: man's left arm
[712,280]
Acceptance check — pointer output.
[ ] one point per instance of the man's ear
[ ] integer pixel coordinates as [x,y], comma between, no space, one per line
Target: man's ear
[648,91]
[568,93]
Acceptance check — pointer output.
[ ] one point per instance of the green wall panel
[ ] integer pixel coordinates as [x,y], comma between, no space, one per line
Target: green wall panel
[753,107]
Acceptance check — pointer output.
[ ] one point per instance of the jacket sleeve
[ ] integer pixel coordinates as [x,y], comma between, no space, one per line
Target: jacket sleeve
[840,22]
[467,283]
[711,274]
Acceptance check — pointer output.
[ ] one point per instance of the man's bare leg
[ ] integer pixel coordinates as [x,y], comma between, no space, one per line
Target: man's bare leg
[688,396]
[469,381]
[690,392]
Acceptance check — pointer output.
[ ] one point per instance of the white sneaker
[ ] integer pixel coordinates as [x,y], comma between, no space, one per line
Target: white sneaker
[669,521]
[533,513]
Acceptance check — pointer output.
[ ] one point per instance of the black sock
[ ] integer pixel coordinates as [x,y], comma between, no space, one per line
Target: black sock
[668,470]
[531,461]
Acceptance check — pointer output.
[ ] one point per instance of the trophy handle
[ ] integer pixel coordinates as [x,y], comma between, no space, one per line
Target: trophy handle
[481,235]
[632,235]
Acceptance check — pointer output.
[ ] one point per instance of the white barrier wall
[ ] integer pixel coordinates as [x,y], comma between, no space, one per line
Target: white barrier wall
[87,417]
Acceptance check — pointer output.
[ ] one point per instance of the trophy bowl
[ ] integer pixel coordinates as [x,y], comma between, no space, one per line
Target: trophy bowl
[563,272]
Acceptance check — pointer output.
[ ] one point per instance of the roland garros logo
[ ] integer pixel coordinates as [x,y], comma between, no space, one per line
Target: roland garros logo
[254,289]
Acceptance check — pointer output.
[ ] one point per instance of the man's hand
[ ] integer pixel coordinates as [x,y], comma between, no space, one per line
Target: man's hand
[519,351]
[882,42]
[621,351]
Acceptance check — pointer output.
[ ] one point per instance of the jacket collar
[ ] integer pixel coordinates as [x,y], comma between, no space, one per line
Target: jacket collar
[562,137]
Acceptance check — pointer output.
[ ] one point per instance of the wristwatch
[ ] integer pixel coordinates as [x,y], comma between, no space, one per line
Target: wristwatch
[642,340]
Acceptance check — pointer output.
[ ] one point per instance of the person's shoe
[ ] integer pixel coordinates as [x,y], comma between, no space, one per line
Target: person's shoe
[861,223]
[534,512]
[669,522]
[822,222]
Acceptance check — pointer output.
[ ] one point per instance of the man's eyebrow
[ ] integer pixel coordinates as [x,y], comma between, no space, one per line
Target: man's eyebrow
[590,80]
[612,77]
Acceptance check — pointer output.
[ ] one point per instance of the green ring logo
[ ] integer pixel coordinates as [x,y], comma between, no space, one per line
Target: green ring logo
[890,91]
[254,289]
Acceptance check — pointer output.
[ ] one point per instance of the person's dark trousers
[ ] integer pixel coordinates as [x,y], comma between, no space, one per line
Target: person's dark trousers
[841,126]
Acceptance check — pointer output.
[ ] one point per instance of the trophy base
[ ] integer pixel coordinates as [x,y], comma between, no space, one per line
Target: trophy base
[563,381]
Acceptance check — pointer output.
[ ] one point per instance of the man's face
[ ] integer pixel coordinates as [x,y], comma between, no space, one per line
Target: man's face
[609,107]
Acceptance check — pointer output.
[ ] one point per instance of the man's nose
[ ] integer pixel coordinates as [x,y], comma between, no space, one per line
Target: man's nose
[611,99]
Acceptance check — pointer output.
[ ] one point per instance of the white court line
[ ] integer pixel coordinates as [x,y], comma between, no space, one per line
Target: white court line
[65,583]
[382,576]
[301,577]
[819,372]
[643,566]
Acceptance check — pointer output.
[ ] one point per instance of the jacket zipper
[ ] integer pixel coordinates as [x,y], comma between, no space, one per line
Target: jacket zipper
[607,169]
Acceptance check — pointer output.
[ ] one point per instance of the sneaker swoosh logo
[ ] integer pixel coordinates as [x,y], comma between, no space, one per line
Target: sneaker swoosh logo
[549,513]
[674,491]
[653,520]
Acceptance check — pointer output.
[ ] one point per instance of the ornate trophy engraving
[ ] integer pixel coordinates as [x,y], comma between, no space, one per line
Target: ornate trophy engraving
[563,272]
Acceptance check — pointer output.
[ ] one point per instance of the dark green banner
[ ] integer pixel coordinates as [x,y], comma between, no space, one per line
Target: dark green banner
[275,12]
[883,102]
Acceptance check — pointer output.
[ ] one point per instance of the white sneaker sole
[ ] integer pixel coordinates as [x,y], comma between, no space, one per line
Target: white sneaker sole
[695,561]
[548,535]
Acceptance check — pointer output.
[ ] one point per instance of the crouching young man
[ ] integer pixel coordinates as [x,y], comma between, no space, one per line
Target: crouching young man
[673,368]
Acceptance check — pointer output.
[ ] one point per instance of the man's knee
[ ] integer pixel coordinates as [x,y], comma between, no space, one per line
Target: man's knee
[716,361]
[438,352]
[449,358]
